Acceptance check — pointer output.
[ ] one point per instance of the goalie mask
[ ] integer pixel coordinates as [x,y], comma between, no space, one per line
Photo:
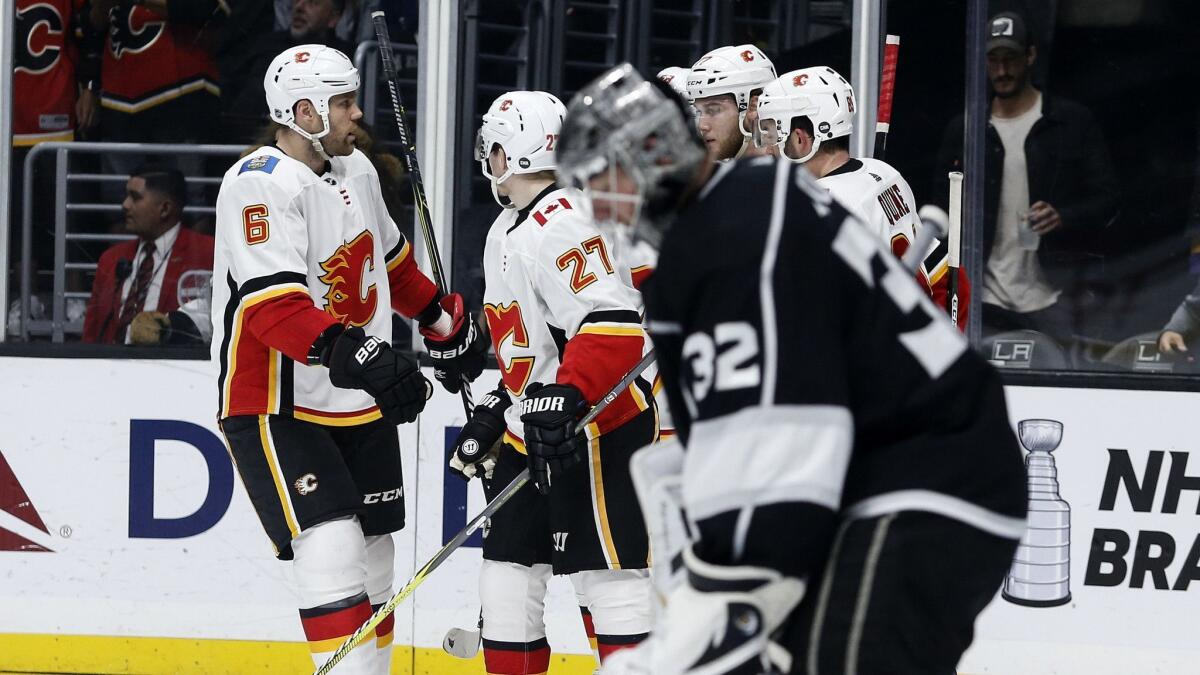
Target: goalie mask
[308,72]
[818,93]
[525,126]
[621,122]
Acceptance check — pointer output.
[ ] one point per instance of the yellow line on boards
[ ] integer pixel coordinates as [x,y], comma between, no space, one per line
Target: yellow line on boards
[96,654]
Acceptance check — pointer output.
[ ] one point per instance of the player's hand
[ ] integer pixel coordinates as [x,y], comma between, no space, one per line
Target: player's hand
[358,361]
[719,621]
[85,108]
[549,413]
[147,328]
[473,451]
[459,354]
[1168,343]
[1043,218]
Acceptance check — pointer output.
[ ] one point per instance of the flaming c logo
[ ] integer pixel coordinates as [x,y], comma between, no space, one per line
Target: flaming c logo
[505,322]
[344,273]
[747,56]
[799,80]
[504,105]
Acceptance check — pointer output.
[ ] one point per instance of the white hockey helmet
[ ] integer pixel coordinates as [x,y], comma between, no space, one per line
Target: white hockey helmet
[313,72]
[526,125]
[676,77]
[818,93]
[735,70]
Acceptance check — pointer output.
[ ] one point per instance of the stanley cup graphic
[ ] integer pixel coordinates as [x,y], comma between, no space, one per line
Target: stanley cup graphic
[1041,572]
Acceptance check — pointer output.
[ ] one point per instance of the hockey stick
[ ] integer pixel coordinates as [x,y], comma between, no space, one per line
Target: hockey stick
[462,643]
[477,522]
[952,255]
[414,174]
[887,91]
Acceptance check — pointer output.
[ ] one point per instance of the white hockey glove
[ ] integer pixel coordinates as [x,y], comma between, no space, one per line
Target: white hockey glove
[477,445]
[657,472]
[719,621]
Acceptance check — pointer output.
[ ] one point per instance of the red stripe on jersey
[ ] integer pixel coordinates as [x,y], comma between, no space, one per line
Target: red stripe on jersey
[336,624]
[529,661]
[593,363]
[412,291]
[289,323]
[640,275]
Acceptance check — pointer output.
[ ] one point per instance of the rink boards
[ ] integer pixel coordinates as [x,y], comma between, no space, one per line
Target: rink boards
[128,546]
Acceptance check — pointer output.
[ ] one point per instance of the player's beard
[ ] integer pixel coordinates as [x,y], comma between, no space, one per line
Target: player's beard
[729,146]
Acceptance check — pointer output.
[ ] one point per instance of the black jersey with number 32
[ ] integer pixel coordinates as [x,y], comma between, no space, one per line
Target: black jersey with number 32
[812,379]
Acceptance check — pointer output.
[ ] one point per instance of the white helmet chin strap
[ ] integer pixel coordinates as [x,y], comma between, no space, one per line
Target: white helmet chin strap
[315,139]
[501,199]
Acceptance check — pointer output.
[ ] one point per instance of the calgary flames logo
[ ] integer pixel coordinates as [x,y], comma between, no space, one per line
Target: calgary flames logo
[747,56]
[39,38]
[345,271]
[504,104]
[505,323]
[800,80]
[133,29]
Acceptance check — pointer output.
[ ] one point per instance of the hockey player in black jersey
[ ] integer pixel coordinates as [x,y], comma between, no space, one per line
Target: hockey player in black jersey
[853,487]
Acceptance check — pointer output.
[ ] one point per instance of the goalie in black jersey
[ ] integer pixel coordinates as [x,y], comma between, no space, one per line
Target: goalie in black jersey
[853,491]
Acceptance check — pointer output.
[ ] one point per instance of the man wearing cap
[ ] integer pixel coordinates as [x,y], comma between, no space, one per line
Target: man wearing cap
[1049,189]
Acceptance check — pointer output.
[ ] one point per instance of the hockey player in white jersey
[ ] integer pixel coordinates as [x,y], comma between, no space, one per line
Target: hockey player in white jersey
[836,526]
[308,270]
[724,85]
[676,77]
[565,323]
[809,114]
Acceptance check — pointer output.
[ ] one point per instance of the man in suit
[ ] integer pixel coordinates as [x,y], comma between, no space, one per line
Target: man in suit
[143,275]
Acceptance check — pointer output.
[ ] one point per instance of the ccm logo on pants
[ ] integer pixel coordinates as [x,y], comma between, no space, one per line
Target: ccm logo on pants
[385,496]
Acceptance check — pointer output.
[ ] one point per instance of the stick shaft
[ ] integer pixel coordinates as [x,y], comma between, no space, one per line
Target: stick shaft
[887,91]
[954,247]
[477,522]
[414,173]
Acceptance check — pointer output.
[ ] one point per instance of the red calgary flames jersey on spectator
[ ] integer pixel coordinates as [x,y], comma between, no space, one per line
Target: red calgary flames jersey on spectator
[44,78]
[148,62]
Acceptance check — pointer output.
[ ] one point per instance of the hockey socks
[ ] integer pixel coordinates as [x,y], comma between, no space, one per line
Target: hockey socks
[516,658]
[589,627]
[327,627]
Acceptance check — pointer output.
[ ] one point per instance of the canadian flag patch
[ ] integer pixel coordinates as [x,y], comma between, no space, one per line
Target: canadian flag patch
[550,209]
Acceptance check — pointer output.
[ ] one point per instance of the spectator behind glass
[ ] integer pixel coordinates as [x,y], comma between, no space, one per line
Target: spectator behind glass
[1049,190]
[143,275]
[56,64]
[159,79]
[1182,328]
[312,22]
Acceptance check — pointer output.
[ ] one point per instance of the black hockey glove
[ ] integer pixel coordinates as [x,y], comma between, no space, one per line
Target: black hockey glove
[472,453]
[549,413]
[460,353]
[358,361]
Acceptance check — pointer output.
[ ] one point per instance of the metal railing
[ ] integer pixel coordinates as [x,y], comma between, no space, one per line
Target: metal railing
[58,326]
[366,59]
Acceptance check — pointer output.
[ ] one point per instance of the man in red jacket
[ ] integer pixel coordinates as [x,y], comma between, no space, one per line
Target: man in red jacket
[143,275]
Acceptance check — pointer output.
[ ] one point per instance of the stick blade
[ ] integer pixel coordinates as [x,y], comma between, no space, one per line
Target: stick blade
[461,643]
